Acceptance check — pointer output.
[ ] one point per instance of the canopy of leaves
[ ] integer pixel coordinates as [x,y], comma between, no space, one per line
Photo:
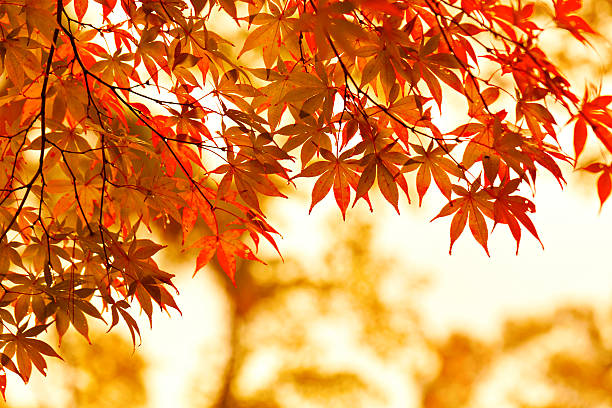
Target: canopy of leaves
[116,114]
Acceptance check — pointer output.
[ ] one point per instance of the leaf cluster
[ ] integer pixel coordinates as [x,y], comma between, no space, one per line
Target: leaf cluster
[115,115]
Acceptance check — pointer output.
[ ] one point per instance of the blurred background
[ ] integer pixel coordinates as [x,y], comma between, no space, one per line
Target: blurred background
[374,312]
[371,312]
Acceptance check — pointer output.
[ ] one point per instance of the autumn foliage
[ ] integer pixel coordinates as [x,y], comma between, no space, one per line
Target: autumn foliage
[116,114]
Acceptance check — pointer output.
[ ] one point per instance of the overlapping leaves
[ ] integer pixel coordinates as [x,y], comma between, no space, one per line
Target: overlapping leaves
[120,117]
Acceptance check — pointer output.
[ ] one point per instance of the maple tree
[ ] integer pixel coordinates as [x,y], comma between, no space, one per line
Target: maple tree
[115,114]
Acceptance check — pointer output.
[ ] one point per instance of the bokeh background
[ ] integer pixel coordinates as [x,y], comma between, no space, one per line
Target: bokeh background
[374,312]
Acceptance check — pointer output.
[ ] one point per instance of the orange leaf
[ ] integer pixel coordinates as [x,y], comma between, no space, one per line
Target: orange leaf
[580,136]
[24,363]
[387,186]
[80,8]
[423,179]
[365,181]
[342,192]
[604,186]
[457,227]
[321,188]
[227,262]
[209,247]
[189,218]
[79,322]
[3,383]
[478,227]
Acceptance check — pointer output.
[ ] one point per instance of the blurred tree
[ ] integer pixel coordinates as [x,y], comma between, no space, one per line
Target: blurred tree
[559,360]
[349,333]
[106,374]
[299,327]
[461,361]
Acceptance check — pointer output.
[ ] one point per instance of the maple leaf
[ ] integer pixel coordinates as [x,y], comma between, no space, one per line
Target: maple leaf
[604,182]
[471,205]
[432,162]
[572,23]
[227,247]
[512,209]
[595,112]
[151,53]
[337,172]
